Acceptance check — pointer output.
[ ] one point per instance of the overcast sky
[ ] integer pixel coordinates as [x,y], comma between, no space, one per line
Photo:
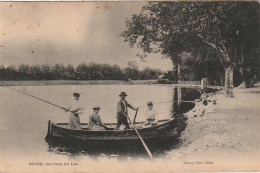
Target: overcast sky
[69,33]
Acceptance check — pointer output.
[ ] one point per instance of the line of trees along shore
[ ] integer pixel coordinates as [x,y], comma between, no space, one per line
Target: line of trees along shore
[91,71]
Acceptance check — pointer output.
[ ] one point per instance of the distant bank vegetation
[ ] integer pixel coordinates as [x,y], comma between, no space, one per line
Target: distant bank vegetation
[91,71]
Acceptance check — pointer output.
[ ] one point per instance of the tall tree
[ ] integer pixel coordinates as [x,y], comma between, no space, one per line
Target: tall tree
[224,32]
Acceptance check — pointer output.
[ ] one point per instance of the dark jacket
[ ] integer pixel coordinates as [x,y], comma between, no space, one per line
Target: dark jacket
[122,109]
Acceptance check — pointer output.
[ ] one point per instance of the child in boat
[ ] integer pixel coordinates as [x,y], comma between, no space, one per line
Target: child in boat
[95,122]
[151,115]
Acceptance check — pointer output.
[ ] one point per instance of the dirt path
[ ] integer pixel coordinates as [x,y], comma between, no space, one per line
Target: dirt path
[229,137]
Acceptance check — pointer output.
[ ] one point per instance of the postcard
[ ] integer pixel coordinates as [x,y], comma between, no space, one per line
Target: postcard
[130,86]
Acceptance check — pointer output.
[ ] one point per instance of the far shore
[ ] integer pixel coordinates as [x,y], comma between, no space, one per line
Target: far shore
[96,82]
[76,82]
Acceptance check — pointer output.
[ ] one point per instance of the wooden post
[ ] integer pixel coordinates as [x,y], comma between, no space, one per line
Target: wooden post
[204,83]
[48,136]
[175,101]
[49,127]
[179,95]
[229,82]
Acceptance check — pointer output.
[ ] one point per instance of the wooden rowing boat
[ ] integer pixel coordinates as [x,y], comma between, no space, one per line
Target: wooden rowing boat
[163,130]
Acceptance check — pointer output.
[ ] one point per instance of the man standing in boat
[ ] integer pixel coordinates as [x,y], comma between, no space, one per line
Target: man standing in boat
[122,112]
[75,109]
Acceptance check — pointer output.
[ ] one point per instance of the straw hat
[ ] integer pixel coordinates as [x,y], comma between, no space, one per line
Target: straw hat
[96,107]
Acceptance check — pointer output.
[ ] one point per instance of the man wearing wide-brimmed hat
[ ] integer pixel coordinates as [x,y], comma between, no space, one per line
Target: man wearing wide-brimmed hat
[75,109]
[122,112]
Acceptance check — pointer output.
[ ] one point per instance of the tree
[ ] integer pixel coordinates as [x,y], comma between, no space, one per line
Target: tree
[46,72]
[117,72]
[58,71]
[131,71]
[35,72]
[226,33]
[24,72]
[82,72]
[70,72]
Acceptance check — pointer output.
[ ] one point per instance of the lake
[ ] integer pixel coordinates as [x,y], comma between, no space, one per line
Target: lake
[23,124]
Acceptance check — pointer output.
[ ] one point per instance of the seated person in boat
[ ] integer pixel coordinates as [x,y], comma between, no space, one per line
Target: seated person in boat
[75,110]
[95,122]
[151,115]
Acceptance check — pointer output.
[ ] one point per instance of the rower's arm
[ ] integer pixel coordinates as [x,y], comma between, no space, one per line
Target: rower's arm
[130,106]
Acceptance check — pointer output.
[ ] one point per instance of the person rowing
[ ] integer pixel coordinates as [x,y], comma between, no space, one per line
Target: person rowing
[122,111]
[95,122]
[75,110]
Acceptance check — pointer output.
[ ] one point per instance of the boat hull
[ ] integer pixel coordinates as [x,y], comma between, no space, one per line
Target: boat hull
[155,134]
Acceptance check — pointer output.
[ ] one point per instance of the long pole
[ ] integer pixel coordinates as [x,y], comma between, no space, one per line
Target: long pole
[135,114]
[37,98]
[145,146]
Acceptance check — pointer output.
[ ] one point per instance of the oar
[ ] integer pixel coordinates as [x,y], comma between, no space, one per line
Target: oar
[37,98]
[145,146]
[135,114]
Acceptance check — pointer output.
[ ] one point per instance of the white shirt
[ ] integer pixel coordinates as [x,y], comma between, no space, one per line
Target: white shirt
[151,114]
[76,105]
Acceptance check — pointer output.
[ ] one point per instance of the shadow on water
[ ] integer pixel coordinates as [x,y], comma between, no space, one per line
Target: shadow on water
[120,150]
[125,150]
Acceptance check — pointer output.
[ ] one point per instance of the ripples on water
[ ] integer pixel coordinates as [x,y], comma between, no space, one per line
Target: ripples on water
[24,119]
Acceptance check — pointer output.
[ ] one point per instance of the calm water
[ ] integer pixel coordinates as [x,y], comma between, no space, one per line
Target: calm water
[23,124]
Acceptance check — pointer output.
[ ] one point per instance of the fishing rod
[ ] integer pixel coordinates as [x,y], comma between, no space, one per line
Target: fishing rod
[175,101]
[37,98]
[172,102]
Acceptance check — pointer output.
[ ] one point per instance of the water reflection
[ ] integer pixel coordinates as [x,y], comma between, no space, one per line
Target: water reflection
[181,103]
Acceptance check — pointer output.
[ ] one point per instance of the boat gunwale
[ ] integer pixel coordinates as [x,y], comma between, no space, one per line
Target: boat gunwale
[167,121]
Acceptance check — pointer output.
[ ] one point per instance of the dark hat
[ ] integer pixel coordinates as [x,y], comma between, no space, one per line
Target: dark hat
[76,94]
[96,107]
[123,94]
[149,103]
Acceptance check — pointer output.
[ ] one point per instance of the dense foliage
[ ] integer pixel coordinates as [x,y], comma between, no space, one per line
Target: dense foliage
[217,34]
[90,71]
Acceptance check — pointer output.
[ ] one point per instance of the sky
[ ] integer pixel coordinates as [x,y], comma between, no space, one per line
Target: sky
[69,33]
